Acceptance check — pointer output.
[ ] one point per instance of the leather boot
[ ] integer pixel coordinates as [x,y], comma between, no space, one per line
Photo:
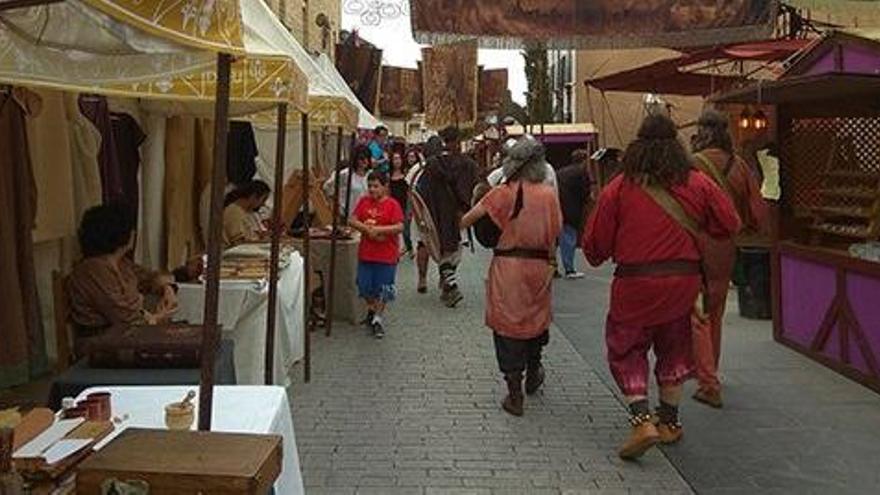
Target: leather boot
[711,398]
[513,403]
[670,432]
[534,378]
[644,435]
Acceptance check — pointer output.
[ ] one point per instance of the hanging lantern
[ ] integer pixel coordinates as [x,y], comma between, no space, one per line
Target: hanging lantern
[745,119]
[759,121]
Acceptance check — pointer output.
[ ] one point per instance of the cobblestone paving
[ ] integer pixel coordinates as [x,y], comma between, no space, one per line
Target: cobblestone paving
[418,413]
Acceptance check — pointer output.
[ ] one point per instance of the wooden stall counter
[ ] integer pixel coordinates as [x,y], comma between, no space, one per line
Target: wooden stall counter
[827,308]
[347,305]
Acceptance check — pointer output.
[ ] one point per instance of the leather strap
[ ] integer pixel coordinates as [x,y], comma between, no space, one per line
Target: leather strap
[707,166]
[673,208]
[659,269]
[530,254]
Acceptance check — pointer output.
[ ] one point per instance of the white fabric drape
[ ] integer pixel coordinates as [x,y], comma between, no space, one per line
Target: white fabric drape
[150,239]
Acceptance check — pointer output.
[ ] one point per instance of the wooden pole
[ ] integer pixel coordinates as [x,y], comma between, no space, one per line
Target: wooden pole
[277,229]
[334,233]
[215,230]
[307,225]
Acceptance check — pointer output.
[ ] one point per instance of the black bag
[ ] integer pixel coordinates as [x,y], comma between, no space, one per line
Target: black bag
[487,232]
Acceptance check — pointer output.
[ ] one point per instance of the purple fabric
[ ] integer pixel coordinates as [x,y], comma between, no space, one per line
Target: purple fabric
[863,296]
[128,138]
[856,60]
[807,292]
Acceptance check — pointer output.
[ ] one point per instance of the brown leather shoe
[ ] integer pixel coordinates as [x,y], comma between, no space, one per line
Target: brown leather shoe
[513,403]
[644,435]
[711,398]
[670,433]
[534,379]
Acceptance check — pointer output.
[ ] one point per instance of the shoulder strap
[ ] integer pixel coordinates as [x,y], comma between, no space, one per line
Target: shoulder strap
[673,208]
[707,166]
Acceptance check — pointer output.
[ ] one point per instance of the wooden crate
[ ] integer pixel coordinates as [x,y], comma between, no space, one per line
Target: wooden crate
[186,463]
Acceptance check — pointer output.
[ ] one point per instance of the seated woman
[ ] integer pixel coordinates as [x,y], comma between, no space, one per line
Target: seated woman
[107,288]
[240,223]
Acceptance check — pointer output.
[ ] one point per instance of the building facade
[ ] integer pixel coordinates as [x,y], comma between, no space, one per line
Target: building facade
[314,23]
[562,65]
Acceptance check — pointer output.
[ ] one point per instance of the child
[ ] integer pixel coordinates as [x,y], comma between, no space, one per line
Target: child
[379,219]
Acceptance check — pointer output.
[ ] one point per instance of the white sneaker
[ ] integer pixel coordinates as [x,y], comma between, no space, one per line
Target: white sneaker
[574,275]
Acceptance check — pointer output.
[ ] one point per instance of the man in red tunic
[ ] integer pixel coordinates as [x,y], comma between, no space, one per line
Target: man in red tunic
[716,158]
[658,274]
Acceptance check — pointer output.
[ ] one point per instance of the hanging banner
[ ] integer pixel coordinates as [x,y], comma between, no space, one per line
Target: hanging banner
[361,66]
[401,92]
[493,90]
[449,84]
[593,23]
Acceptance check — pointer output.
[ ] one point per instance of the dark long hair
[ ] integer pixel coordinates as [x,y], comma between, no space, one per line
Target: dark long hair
[251,189]
[657,157]
[713,131]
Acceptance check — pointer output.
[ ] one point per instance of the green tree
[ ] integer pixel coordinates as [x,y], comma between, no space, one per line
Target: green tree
[539,102]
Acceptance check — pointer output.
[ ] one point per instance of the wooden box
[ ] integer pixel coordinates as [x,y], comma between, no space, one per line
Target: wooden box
[186,463]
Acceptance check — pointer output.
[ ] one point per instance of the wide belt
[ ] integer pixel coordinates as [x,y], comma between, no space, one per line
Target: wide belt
[659,269]
[529,254]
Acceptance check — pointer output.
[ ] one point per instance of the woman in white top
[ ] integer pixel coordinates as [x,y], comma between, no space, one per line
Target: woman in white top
[358,182]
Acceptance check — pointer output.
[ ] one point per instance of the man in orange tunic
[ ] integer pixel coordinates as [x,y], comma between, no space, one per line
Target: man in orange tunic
[714,156]
[518,297]
[658,272]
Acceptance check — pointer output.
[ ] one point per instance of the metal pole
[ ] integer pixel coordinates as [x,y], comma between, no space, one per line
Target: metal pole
[277,229]
[307,225]
[212,276]
[331,284]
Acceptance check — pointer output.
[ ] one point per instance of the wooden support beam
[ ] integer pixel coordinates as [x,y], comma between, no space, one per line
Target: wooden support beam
[277,229]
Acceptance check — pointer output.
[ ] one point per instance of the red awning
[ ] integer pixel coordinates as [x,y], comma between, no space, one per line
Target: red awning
[669,76]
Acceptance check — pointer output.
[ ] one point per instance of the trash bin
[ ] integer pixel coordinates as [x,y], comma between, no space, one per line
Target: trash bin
[753,289]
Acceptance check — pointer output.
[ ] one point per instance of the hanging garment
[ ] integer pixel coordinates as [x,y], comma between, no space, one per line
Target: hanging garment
[242,151]
[128,138]
[23,349]
[85,146]
[150,252]
[96,110]
[180,196]
[48,136]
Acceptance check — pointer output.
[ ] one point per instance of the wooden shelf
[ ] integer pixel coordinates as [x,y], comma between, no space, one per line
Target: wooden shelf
[843,231]
[845,211]
[853,175]
[861,193]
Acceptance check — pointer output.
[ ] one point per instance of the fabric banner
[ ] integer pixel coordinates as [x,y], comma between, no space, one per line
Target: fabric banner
[449,84]
[361,66]
[593,23]
[493,90]
[401,92]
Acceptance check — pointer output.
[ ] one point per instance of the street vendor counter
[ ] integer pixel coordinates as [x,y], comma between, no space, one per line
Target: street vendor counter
[828,308]
[346,304]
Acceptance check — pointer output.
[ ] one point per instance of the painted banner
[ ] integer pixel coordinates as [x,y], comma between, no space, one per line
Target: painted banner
[593,23]
[449,84]
[401,92]
[361,66]
[493,90]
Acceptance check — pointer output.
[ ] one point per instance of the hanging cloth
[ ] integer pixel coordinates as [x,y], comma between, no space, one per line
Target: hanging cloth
[128,138]
[242,152]
[23,349]
[95,108]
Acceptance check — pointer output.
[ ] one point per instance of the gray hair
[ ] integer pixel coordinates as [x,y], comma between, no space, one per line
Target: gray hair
[525,160]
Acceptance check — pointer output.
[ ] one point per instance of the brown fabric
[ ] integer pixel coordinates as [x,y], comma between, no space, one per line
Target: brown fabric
[181,212]
[526,254]
[659,269]
[23,349]
[104,294]
[593,23]
[449,80]
[48,137]
[361,67]
[493,90]
[95,109]
[401,92]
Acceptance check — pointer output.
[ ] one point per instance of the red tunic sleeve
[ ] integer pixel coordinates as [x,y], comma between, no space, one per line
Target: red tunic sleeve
[499,204]
[721,219]
[601,228]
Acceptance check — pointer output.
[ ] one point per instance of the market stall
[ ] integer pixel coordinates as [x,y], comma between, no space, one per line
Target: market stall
[826,260]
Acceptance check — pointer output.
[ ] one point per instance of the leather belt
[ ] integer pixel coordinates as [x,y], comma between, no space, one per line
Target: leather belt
[529,254]
[659,269]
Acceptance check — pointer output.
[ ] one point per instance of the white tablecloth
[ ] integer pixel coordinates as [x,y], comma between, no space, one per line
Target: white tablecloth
[237,409]
[243,311]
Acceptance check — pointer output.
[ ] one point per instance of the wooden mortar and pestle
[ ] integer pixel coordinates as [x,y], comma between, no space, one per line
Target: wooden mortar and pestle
[180,415]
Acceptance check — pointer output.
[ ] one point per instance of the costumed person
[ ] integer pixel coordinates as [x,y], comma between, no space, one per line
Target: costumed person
[714,156]
[574,193]
[107,289]
[379,219]
[446,187]
[349,198]
[378,153]
[496,176]
[413,177]
[643,221]
[518,291]
[241,221]
[400,191]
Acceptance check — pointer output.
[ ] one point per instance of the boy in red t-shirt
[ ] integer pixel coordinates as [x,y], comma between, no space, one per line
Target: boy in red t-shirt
[379,219]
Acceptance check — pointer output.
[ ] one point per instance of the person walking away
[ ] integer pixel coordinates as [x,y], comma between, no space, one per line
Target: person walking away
[518,291]
[657,279]
[378,153]
[446,186]
[714,155]
[348,199]
[379,219]
[413,177]
[574,193]
[400,192]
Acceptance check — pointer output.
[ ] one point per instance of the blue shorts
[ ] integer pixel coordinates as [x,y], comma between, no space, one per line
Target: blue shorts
[376,281]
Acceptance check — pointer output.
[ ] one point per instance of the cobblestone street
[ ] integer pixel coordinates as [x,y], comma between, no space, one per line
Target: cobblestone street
[419,412]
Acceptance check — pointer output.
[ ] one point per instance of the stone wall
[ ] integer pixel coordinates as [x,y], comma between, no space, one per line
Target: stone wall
[291,14]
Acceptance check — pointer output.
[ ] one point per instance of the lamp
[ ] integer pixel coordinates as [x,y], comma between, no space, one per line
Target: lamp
[759,121]
[745,119]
